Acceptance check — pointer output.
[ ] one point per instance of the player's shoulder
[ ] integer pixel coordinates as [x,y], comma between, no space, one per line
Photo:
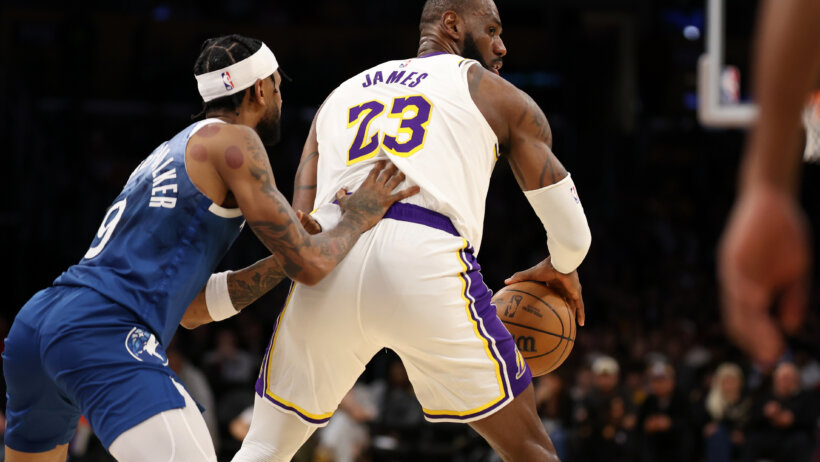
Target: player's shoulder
[485,84]
[216,134]
[478,74]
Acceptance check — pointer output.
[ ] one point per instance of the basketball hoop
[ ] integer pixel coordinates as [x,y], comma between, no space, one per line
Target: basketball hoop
[719,102]
[811,121]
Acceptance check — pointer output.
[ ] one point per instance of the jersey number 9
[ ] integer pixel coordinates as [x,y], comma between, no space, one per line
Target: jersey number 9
[112,217]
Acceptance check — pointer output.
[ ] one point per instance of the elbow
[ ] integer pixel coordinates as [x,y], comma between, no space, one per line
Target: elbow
[568,254]
[582,243]
[578,244]
[308,279]
[189,324]
[313,272]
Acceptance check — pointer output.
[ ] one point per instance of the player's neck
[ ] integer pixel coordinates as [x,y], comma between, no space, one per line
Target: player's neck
[233,117]
[434,44]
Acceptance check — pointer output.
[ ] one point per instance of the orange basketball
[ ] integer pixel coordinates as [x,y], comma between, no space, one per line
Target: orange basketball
[541,322]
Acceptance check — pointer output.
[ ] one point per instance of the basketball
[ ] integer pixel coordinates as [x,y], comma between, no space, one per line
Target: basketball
[540,321]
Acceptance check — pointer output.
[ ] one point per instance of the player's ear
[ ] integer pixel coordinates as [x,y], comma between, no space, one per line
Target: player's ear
[259,90]
[452,25]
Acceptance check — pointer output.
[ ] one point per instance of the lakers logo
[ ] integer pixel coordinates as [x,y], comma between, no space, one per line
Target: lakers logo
[512,306]
[144,346]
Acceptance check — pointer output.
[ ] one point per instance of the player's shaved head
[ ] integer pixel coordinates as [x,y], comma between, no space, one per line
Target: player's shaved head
[468,28]
[433,9]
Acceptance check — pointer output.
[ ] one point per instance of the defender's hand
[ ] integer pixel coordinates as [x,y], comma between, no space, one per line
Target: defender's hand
[568,285]
[764,258]
[370,202]
[308,222]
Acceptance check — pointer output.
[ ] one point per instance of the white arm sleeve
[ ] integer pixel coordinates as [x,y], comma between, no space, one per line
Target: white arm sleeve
[561,212]
[328,215]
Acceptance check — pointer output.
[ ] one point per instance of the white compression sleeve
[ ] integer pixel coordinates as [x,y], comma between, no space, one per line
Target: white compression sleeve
[561,212]
[274,436]
[172,435]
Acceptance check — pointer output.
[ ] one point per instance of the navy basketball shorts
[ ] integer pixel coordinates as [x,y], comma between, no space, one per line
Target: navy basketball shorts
[73,352]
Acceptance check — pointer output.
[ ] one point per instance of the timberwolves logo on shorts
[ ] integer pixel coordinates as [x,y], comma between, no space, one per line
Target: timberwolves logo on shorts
[144,347]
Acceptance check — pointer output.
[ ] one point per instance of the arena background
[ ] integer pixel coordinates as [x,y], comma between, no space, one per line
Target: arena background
[88,89]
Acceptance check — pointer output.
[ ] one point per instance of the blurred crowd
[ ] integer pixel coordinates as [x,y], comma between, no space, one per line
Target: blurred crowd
[675,395]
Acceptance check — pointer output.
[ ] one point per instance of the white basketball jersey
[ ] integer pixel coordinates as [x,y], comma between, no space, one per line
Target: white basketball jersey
[418,113]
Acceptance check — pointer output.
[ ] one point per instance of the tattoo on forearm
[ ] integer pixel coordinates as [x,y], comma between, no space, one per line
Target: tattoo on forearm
[292,247]
[284,236]
[248,285]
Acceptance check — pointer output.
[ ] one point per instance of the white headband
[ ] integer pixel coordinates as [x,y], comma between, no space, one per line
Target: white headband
[237,76]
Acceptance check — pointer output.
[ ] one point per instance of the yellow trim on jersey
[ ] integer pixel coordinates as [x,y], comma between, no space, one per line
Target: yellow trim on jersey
[520,363]
[268,391]
[408,130]
[469,308]
[366,129]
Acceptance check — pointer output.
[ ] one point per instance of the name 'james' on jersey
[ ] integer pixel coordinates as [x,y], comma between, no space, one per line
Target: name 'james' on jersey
[419,113]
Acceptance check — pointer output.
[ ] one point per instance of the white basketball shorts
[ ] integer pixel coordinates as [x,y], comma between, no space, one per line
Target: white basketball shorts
[410,284]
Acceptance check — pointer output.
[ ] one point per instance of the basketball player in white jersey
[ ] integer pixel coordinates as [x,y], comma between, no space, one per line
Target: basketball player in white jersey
[765,252]
[412,283]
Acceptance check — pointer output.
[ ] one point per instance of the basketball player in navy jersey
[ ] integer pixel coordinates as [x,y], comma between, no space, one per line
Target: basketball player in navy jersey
[765,254]
[412,283]
[93,343]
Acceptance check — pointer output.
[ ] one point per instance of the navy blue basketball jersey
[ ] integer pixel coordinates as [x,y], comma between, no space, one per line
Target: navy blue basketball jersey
[159,241]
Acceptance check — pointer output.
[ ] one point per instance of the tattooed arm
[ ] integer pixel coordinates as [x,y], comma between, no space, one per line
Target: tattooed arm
[521,127]
[244,286]
[240,159]
[526,141]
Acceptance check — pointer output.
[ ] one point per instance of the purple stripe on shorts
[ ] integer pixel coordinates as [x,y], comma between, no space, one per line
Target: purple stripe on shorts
[496,334]
[422,216]
[417,214]
[260,390]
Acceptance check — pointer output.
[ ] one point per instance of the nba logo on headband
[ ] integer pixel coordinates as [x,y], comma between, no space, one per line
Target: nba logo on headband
[226,79]
[238,76]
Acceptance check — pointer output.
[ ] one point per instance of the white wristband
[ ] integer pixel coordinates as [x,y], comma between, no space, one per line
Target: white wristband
[217,298]
[560,210]
[328,216]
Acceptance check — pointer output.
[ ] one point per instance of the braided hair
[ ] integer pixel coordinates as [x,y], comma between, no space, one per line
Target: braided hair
[217,53]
